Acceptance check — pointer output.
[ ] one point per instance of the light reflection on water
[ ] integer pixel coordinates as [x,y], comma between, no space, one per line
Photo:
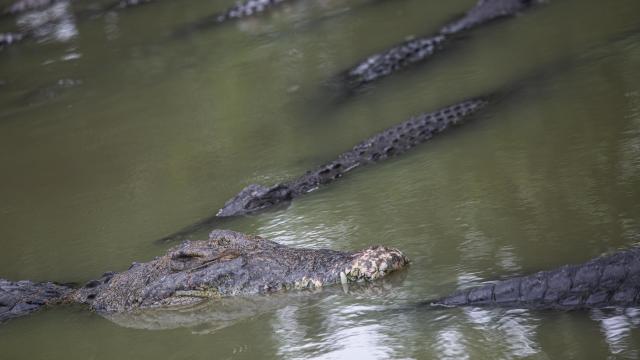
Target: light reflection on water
[617,326]
[54,23]
[299,230]
[339,337]
[161,133]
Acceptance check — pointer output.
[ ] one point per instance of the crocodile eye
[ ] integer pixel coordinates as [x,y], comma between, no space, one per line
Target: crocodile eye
[256,204]
[92,284]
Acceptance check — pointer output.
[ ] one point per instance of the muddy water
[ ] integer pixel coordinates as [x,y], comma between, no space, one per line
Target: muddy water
[114,134]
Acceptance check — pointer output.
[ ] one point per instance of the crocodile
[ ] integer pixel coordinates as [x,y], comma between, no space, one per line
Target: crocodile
[227,264]
[240,10]
[607,281]
[417,50]
[247,8]
[390,142]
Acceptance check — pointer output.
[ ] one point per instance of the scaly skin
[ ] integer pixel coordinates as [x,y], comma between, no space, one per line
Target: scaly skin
[24,297]
[228,264]
[389,61]
[486,11]
[418,50]
[241,10]
[390,142]
[247,8]
[606,281]
[219,313]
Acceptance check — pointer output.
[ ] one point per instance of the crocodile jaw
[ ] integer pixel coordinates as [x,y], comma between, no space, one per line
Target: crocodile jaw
[373,263]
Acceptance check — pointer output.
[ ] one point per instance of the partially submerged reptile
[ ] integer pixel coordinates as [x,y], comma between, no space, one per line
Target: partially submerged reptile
[241,9]
[233,264]
[390,142]
[228,264]
[247,8]
[607,281]
[414,51]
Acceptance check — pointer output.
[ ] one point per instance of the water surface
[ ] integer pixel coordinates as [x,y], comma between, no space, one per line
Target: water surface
[119,134]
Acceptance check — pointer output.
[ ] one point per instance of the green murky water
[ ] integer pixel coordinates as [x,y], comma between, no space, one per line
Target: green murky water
[121,135]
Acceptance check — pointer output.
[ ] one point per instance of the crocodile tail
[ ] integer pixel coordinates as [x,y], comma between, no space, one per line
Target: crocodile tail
[487,11]
[607,281]
[24,297]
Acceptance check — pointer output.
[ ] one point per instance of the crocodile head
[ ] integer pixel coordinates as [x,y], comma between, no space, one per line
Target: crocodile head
[253,198]
[234,264]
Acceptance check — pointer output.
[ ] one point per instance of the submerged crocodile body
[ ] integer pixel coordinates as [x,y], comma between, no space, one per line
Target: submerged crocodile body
[417,50]
[241,10]
[486,11]
[247,8]
[393,141]
[606,281]
[228,264]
